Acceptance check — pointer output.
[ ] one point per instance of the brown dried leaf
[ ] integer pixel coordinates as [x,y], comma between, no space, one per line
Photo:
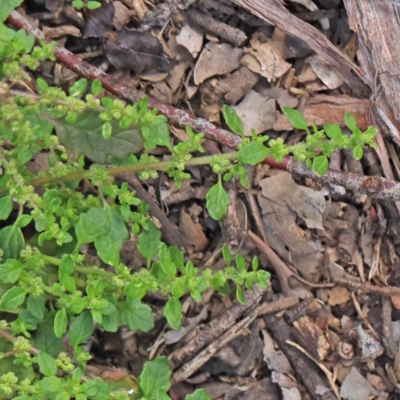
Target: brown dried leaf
[282,201]
[99,22]
[356,387]
[192,231]
[339,295]
[139,51]
[257,112]
[271,62]
[236,85]
[329,76]
[216,59]
[122,15]
[190,38]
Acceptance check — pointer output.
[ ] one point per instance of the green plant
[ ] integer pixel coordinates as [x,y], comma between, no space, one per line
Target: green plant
[91,5]
[47,286]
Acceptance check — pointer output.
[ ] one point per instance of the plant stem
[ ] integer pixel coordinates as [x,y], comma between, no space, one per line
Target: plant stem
[155,166]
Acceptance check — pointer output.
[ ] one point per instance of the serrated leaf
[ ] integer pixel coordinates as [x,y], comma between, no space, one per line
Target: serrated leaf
[107,249]
[173,312]
[166,262]
[217,201]
[156,375]
[149,242]
[5,207]
[232,119]
[11,241]
[47,364]
[252,153]
[51,384]
[320,165]
[296,118]
[358,152]
[81,328]
[36,305]
[105,221]
[11,271]
[45,338]
[155,135]
[85,137]
[333,131]
[136,315]
[13,298]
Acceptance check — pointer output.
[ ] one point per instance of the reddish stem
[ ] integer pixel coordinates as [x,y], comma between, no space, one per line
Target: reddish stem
[175,116]
[375,187]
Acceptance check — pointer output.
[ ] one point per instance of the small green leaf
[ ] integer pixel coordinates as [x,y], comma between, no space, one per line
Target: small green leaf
[217,201]
[226,254]
[358,152]
[6,205]
[78,88]
[45,338]
[149,242]
[13,298]
[239,294]
[350,121]
[333,131]
[47,364]
[6,6]
[11,241]
[240,262]
[173,312]
[81,328]
[254,264]
[155,135]
[36,305]
[107,249]
[252,153]
[199,394]
[51,384]
[11,271]
[106,130]
[99,221]
[320,165]
[135,291]
[42,85]
[296,118]
[23,221]
[136,315]
[167,264]
[156,375]
[78,4]
[92,5]
[97,87]
[60,323]
[63,396]
[232,120]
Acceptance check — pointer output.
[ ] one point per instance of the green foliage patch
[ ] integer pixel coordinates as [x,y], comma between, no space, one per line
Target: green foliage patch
[48,288]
